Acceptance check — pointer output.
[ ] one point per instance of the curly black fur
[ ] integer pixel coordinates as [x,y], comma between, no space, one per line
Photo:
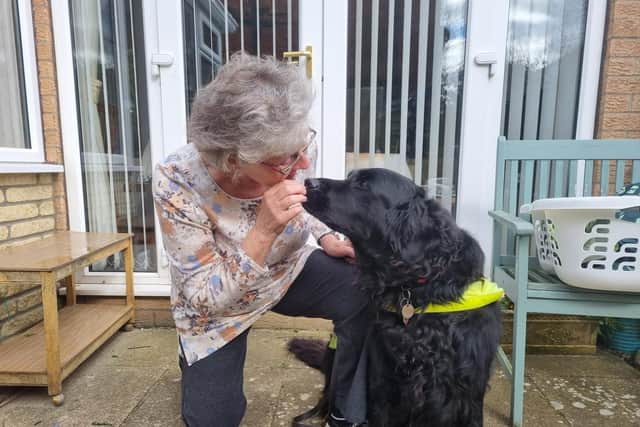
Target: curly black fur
[435,370]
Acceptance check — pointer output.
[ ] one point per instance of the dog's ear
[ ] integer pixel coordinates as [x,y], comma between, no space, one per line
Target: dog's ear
[422,232]
[404,223]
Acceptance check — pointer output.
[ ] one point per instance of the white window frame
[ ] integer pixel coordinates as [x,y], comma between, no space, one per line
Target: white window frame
[214,54]
[14,159]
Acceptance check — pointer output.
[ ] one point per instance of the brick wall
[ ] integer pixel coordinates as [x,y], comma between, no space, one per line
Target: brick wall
[45,56]
[619,104]
[33,205]
[619,109]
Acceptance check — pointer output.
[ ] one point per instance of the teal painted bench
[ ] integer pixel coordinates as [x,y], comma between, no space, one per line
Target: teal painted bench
[527,170]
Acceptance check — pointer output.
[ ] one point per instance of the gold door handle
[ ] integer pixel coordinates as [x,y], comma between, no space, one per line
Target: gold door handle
[307,53]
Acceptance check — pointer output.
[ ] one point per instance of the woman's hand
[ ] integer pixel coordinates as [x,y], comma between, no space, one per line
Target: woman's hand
[280,204]
[337,248]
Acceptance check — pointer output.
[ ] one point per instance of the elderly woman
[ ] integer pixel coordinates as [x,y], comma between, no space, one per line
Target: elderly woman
[236,237]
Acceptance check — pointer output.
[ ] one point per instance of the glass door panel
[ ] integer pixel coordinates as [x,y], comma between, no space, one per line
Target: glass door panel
[405,78]
[115,155]
[544,67]
[214,30]
[545,47]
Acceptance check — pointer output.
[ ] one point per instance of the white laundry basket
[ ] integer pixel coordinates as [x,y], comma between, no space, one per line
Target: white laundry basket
[545,239]
[586,243]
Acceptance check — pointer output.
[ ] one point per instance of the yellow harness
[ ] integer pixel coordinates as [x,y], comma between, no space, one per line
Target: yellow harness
[478,294]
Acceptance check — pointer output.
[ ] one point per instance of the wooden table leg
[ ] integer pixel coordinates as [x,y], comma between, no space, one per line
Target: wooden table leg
[50,311]
[128,266]
[70,285]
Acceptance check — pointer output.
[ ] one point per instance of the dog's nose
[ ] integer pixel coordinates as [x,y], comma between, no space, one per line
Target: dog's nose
[312,183]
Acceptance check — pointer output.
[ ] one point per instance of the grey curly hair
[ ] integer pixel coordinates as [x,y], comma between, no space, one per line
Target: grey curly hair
[255,108]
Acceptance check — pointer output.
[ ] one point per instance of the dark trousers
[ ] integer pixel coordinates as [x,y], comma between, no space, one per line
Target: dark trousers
[212,393]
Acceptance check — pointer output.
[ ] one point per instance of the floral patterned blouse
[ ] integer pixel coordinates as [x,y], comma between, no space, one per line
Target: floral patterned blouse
[217,290]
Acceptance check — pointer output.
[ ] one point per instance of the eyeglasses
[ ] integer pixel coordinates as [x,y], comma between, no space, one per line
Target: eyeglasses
[285,167]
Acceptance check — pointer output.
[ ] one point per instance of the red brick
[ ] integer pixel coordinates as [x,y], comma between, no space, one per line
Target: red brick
[144,318]
[630,84]
[50,122]
[163,318]
[628,66]
[612,134]
[58,186]
[624,47]
[44,50]
[41,15]
[621,121]
[42,32]
[626,19]
[46,70]
[617,103]
[40,4]
[52,136]
[48,87]
[49,104]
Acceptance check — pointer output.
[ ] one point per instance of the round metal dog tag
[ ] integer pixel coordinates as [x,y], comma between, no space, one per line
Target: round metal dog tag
[408,311]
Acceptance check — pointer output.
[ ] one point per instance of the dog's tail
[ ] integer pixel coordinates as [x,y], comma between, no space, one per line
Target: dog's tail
[309,351]
[317,354]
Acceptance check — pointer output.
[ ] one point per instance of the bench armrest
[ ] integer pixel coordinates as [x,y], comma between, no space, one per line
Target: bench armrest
[515,224]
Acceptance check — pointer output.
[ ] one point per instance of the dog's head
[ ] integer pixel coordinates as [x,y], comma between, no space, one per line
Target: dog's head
[398,233]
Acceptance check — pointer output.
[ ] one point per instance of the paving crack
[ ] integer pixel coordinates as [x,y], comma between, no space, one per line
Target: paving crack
[144,397]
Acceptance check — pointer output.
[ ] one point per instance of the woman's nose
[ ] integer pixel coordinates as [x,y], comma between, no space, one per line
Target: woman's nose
[303,162]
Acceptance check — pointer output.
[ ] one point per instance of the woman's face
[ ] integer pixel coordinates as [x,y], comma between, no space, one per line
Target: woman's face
[275,170]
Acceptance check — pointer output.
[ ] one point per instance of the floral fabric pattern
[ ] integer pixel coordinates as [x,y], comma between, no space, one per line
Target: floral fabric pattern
[217,290]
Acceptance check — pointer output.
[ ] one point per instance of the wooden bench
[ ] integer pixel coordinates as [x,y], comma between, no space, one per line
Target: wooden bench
[50,351]
[530,170]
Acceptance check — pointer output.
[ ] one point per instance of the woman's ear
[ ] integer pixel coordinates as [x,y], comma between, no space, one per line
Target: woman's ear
[233,161]
[233,166]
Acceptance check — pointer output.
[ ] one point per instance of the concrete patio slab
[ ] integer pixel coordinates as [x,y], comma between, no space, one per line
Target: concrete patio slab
[133,380]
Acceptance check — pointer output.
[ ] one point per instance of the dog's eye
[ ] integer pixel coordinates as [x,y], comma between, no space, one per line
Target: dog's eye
[361,185]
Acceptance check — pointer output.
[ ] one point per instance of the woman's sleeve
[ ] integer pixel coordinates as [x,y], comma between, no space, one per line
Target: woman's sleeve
[209,278]
[316,227]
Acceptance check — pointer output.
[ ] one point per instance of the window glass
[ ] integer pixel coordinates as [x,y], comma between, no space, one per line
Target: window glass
[13,114]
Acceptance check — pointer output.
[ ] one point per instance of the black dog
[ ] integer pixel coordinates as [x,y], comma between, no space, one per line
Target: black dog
[425,368]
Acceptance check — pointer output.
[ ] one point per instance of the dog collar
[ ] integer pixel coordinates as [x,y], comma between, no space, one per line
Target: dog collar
[478,294]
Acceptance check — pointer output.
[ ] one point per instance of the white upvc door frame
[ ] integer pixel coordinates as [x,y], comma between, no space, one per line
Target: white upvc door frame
[167,119]
[482,107]
[487,25]
[311,32]
[166,102]
[482,103]
[324,25]
[332,161]
[590,79]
